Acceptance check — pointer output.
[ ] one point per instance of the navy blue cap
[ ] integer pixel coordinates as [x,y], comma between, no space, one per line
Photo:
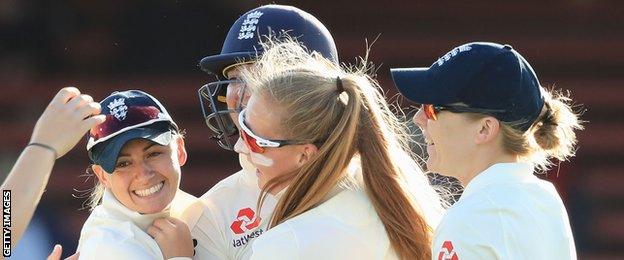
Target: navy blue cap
[243,40]
[480,75]
[105,154]
[130,115]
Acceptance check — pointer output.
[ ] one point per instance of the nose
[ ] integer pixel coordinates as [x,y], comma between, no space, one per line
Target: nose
[144,172]
[241,146]
[420,119]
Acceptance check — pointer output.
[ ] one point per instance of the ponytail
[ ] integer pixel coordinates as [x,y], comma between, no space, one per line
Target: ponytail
[552,135]
[345,114]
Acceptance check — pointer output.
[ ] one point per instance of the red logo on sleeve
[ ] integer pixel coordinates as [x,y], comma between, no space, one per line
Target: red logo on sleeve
[246,220]
[447,252]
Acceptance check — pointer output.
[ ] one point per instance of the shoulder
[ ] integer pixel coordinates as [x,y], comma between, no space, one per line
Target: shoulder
[327,232]
[279,242]
[468,228]
[227,187]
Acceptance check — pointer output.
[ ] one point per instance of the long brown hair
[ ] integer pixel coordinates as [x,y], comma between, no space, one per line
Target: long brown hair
[344,112]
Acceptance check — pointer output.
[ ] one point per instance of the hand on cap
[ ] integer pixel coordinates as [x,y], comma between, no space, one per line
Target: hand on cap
[173,237]
[66,119]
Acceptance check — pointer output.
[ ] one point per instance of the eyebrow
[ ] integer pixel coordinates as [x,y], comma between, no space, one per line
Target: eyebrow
[144,149]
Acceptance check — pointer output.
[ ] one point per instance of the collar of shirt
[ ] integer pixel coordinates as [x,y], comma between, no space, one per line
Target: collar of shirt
[498,174]
[113,206]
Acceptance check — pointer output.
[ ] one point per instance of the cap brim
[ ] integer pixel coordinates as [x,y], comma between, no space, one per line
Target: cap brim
[215,64]
[417,85]
[105,154]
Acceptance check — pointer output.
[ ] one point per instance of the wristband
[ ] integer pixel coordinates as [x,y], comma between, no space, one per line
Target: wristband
[46,147]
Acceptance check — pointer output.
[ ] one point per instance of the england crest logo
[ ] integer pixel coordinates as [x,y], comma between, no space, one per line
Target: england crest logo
[248,28]
[118,108]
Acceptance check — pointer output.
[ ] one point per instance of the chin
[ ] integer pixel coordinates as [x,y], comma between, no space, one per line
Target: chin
[158,207]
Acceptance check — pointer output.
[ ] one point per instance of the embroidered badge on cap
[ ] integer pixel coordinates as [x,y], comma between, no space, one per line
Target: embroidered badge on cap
[248,28]
[447,252]
[118,108]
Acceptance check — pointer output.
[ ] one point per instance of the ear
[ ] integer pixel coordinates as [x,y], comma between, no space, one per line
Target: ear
[101,175]
[488,129]
[307,151]
[182,156]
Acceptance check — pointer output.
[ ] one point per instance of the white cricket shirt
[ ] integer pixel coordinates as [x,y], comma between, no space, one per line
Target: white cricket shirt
[225,221]
[506,212]
[346,226]
[113,231]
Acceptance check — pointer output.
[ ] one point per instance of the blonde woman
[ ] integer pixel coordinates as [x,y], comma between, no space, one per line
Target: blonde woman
[137,154]
[489,123]
[324,141]
[226,221]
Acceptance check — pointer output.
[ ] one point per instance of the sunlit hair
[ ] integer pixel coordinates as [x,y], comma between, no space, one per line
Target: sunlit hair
[94,195]
[551,136]
[352,127]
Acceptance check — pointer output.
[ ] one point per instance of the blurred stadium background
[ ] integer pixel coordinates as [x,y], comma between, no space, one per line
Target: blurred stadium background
[101,46]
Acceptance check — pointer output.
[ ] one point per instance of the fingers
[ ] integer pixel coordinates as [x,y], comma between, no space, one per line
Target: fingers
[167,225]
[79,101]
[164,224]
[89,109]
[154,232]
[56,253]
[91,122]
[65,94]
[175,221]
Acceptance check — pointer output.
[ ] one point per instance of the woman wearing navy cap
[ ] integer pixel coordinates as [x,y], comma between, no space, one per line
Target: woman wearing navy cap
[137,154]
[489,123]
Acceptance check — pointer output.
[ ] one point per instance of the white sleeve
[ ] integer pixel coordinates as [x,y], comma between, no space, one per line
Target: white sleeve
[276,244]
[211,240]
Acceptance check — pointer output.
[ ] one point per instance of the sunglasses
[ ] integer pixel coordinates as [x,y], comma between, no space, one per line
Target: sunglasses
[256,143]
[431,111]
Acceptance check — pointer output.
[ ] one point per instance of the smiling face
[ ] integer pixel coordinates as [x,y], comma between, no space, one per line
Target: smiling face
[450,141]
[262,117]
[146,176]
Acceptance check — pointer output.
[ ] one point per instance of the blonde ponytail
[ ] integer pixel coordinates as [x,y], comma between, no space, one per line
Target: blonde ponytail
[552,135]
[345,113]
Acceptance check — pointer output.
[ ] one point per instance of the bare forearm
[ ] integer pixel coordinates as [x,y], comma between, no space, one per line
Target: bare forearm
[27,181]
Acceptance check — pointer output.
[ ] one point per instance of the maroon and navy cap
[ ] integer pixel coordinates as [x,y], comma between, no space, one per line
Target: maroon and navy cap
[130,115]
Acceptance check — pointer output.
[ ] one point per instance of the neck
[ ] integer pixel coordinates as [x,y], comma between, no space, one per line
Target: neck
[480,163]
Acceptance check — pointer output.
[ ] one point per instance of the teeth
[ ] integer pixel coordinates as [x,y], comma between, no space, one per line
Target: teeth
[149,191]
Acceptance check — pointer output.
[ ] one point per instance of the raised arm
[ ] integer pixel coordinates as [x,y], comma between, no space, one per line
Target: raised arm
[65,120]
